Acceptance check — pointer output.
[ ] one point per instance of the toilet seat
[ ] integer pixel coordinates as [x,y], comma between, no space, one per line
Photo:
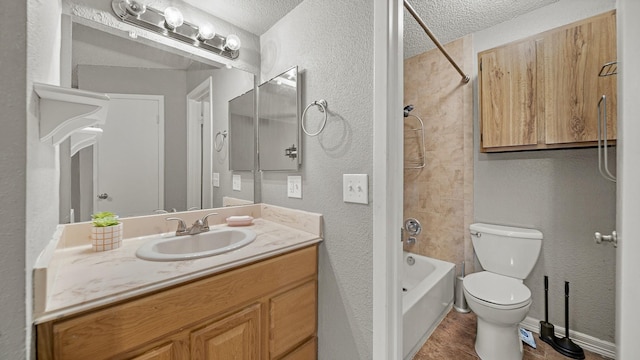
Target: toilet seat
[497,291]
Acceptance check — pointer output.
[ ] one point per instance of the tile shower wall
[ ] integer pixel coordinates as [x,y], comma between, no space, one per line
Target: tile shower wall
[440,195]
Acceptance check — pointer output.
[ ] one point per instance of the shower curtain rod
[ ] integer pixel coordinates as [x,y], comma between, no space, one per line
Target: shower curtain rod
[465,77]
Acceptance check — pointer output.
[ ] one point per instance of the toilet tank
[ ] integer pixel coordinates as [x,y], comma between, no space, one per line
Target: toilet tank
[506,250]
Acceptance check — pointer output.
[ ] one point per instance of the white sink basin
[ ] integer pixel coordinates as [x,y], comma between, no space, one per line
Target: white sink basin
[188,247]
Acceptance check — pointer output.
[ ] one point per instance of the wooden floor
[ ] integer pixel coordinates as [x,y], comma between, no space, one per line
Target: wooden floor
[455,337]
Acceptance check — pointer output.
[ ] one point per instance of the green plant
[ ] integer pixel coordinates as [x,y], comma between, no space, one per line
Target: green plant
[104,219]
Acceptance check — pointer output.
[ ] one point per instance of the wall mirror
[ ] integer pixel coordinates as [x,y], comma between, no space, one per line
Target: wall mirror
[278,122]
[242,132]
[157,149]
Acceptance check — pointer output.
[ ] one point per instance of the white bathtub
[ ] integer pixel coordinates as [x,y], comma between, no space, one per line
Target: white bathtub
[427,297]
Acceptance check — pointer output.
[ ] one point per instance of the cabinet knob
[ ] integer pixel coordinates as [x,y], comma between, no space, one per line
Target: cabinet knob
[103,196]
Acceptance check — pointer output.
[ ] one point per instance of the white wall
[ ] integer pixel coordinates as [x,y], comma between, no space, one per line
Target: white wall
[332,43]
[42,168]
[559,192]
[13,156]
[628,267]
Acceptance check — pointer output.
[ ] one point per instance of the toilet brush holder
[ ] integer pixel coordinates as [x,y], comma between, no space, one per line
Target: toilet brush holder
[459,302]
[547,332]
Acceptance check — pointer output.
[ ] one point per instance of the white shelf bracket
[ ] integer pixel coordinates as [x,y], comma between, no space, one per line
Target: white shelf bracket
[84,138]
[64,111]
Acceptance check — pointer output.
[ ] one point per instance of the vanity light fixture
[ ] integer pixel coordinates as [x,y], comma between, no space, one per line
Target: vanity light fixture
[171,23]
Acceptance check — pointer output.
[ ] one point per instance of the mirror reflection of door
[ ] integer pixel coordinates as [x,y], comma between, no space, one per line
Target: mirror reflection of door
[129,158]
[199,131]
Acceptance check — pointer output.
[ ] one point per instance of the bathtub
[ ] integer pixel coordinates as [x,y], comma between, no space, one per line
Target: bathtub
[427,296]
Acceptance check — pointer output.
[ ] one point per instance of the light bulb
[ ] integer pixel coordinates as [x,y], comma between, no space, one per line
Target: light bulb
[232,43]
[206,32]
[173,17]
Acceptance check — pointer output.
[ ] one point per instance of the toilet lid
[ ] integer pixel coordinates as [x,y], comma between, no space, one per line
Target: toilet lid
[496,289]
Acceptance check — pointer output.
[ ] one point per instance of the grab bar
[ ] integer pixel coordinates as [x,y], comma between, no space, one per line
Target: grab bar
[602,140]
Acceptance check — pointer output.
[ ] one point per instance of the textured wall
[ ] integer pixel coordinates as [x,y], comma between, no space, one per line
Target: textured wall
[440,195]
[332,42]
[13,156]
[558,192]
[42,168]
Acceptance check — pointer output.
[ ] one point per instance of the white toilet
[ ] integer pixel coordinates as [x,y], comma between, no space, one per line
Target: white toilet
[497,295]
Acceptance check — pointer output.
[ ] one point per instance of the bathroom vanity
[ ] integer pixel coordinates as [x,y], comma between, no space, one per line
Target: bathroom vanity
[257,302]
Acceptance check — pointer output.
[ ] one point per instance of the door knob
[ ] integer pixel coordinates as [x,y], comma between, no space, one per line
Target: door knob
[103,196]
[613,238]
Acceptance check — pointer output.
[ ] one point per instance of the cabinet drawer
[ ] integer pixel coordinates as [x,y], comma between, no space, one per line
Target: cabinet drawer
[292,318]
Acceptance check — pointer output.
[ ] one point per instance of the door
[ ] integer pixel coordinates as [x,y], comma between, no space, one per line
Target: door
[508,95]
[235,337]
[573,57]
[199,138]
[129,157]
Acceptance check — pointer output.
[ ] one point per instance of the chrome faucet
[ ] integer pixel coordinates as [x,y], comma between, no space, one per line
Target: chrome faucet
[199,226]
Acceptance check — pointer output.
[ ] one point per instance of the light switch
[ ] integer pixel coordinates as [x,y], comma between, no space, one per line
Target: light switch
[294,187]
[355,188]
[237,183]
[216,179]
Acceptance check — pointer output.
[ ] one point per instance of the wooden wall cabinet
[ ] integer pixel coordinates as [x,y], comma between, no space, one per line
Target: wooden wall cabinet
[542,92]
[266,310]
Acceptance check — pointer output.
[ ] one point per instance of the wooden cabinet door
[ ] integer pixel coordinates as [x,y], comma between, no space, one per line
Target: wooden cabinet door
[235,337]
[293,318]
[508,95]
[171,350]
[573,56]
[306,351]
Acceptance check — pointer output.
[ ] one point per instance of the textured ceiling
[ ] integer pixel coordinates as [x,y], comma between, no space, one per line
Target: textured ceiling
[453,19]
[447,19]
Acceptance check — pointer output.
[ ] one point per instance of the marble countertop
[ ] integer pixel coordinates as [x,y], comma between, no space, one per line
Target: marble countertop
[85,279]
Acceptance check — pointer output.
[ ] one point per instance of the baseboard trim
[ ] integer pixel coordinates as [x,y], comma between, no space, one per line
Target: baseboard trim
[587,342]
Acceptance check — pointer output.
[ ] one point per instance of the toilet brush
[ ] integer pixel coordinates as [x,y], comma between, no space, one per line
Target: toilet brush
[547,333]
[565,346]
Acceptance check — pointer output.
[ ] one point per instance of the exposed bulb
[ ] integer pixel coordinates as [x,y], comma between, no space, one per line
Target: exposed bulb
[232,43]
[206,32]
[173,17]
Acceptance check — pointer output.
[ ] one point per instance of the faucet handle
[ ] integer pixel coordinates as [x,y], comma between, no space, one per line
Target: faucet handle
[182,227]
[205,222]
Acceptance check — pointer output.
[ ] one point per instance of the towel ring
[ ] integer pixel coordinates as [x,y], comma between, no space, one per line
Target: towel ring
[218,145]
[322,105]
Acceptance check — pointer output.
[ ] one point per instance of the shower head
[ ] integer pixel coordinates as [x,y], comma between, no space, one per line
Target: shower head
[407,109]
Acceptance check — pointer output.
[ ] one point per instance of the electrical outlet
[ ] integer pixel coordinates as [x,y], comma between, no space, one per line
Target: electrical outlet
[294,187]
[355,188]
[237,183]
[216,179]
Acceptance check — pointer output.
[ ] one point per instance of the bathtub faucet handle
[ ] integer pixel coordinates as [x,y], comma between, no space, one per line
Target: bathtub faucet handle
[412,226]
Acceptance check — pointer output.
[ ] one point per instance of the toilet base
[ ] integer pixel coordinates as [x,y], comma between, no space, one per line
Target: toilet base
[498,342]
